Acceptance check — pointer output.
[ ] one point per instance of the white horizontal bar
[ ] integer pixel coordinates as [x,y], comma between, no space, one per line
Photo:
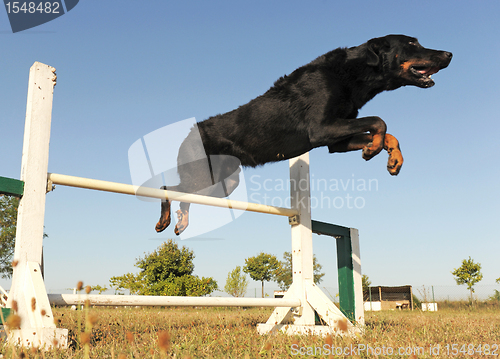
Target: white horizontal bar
[88,183]
[146,300]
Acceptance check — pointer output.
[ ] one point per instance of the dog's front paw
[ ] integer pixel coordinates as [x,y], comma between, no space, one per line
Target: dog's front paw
[395,161]
[391,145]
[374,147]
[367,152]
[371,151]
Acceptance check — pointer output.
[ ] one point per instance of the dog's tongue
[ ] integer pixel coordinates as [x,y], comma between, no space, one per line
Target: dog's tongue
[429,71]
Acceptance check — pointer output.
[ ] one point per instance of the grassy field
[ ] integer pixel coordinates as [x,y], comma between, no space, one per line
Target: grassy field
[455,332]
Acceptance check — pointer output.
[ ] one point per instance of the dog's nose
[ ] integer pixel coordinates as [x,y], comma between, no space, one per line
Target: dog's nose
[448,54]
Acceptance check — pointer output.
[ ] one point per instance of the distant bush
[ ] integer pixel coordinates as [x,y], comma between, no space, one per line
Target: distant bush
[465,304]
[166,271]
[495,297]
[417,304]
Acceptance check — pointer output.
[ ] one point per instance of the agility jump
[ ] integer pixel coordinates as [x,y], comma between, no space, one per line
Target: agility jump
[302,301]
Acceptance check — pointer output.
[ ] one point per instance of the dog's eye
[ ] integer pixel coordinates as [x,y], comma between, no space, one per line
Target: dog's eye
[412,43]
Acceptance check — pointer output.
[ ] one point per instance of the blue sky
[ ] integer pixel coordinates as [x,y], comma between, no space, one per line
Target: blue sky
[128,68]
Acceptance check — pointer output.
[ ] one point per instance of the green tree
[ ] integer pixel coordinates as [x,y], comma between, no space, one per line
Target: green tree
[284,276]
[98,288]
[495,297]
[261,268]
[134,283]
[8,221]
[166,271]
[469,273]
[236,283]
[365,282]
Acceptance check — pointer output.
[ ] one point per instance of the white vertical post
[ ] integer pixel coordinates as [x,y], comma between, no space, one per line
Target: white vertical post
[312,299]
[30,220]
[29,234]
[302,248]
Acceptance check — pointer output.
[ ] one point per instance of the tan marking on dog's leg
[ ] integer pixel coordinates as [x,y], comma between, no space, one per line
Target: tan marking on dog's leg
[374,147]
[182,221]
[165,217]
[391,145]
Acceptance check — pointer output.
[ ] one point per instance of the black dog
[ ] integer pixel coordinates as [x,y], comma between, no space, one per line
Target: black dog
[314,106]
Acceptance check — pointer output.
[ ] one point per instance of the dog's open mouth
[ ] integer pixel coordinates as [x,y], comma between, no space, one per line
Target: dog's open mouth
[423,73]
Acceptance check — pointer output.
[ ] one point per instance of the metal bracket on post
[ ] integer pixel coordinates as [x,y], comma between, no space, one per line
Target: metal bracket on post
[50,186]
[297,311]
[293,220]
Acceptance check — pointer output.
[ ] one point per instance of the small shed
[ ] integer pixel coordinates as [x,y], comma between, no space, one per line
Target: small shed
[390,297]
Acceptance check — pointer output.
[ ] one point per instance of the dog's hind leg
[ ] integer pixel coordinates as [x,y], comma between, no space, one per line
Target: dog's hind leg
[226,181]
[165,216]
[182,218]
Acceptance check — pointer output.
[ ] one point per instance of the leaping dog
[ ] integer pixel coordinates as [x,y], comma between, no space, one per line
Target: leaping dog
[316,105]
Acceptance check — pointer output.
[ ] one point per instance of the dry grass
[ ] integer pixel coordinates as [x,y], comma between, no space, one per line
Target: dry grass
[230,333]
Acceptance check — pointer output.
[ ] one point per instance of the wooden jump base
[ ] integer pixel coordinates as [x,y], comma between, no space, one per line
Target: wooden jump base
[302,302]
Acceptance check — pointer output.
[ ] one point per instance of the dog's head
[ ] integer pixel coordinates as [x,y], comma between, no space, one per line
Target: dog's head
[404,61]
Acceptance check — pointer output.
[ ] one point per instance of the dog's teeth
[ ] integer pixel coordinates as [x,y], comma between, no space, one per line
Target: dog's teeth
[430,76]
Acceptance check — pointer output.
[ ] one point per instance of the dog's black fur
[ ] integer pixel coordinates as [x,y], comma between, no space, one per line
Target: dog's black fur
[316,105]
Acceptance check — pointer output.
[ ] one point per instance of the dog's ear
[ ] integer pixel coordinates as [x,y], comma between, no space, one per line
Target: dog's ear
[374,48]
